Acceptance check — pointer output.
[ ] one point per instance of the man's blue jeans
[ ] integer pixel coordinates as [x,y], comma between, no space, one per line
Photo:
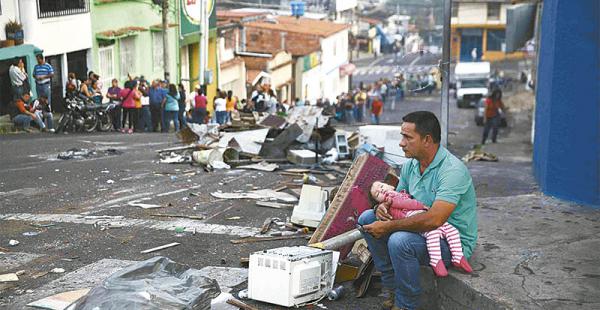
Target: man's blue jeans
[44,90]
[398,257]
[22,121]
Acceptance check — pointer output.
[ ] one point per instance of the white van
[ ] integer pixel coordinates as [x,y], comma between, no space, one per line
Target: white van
[472,81]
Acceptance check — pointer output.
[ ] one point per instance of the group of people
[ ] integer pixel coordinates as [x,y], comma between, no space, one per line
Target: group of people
[24,111]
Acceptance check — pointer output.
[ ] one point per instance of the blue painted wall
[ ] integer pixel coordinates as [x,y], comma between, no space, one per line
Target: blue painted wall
[566,155]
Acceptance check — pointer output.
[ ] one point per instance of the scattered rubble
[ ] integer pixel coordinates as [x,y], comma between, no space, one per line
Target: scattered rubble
[479,155]
[77,153]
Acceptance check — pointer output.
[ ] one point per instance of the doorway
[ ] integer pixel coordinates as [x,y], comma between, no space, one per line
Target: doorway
[471,39]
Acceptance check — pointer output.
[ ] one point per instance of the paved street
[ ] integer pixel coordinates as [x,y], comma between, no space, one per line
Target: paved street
[387,66]
[77,196]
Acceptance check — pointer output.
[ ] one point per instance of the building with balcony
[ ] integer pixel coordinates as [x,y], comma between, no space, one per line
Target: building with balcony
[60,29]
[479,29]
[128,39]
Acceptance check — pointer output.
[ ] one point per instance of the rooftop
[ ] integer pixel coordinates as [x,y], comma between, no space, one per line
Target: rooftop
[320,28]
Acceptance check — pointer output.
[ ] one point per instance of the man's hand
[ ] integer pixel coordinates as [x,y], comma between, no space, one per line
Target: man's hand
[382,212]
[378,229]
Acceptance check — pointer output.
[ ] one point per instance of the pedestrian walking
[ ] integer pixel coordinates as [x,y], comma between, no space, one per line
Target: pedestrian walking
[43,73]
[18,78]
[182,105]
[492,115]
[113,95]
[376,110]
[128,95]
[171,109]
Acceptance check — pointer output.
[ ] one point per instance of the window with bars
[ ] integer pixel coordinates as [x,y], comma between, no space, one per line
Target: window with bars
[157,50]
[495,40]
[54,8]
[493,11]
[106,65]
[127,51]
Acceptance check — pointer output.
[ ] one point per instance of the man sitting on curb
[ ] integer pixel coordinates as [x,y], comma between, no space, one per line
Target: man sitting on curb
[20,114]
[436,178]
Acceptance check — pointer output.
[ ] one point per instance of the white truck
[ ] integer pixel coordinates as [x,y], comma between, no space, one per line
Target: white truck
[472,80]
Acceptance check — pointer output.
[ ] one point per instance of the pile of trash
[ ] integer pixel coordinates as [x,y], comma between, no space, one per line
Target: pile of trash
[76,153]
[257,141]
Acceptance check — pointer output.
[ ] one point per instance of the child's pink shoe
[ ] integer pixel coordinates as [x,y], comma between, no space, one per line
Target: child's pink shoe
[440,269]
[464,265]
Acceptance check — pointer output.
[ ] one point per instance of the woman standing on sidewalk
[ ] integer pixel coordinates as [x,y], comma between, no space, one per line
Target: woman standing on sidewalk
[129,95]
[492,115]
[172,108]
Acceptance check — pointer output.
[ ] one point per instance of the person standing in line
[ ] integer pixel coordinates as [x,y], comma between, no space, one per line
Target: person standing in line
[171,108]
[129,95]
[199,113]
[145,115]
[221,108]
[376,110]
[273,103]
[230,103]
[492,115]
[360,99]
[210,108]
[157,97]
[18,78]
[113,95]
[43,73]
[182,106]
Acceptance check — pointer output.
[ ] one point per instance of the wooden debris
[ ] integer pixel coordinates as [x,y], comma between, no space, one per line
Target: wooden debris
[160,247]
[274,205]
[261,239]
[240,304]
[191,217]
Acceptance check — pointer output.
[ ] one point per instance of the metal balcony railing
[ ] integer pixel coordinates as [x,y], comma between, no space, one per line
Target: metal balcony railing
[55,8]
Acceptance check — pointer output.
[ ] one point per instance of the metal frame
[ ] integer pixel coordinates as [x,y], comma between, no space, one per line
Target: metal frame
[61,9]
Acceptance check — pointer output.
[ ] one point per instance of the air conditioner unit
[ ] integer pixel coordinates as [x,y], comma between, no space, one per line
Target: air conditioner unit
[290,276]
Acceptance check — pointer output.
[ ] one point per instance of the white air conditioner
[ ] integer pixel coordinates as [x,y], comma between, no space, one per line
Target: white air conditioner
[290,276]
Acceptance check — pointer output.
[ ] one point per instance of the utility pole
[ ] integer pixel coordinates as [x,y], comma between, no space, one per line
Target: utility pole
[202,47]
[445,68]
[165,28]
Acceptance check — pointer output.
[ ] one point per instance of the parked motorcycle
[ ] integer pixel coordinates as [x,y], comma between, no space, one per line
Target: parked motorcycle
[82,114]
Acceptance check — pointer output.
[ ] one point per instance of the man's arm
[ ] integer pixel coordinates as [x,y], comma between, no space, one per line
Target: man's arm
[436,216]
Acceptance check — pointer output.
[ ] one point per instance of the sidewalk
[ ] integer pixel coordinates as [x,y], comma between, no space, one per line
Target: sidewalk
[533,251]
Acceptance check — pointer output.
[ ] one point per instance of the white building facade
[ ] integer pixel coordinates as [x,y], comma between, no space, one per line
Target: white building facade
[62,29]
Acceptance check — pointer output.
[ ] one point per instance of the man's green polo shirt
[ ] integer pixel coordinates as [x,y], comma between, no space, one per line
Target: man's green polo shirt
[447,179]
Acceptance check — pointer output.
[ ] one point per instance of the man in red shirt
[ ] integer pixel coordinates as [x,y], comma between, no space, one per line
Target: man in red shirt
[376,110]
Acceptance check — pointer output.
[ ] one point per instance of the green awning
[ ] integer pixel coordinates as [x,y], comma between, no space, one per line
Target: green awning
[19,51]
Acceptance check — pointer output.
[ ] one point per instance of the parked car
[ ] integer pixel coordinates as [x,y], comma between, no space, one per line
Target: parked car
[480,110]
